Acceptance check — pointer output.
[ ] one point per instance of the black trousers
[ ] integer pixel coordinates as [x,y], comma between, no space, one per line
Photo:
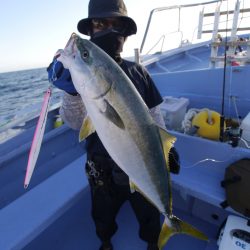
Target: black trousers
[107,199]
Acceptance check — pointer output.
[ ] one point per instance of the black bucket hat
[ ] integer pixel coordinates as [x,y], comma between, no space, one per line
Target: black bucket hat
[106,9]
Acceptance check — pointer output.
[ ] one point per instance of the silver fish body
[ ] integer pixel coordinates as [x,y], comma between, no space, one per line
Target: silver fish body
[122,120]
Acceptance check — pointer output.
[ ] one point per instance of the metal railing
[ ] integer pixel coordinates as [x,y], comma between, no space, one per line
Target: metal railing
[201,28]
[179,7]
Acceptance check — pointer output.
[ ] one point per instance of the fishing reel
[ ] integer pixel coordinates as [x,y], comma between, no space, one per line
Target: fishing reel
[233,132]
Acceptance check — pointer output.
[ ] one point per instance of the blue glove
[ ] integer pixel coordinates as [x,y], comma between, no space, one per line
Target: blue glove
[60,77]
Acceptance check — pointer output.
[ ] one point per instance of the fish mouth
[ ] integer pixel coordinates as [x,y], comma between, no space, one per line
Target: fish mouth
[72,40]
[75,44]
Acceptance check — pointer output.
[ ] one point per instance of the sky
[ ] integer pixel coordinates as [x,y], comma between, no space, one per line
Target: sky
[32,31]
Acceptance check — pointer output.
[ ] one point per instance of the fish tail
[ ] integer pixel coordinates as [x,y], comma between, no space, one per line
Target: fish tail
[173,225]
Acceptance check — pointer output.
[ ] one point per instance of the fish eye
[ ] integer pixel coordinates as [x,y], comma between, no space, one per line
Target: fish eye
[85,54]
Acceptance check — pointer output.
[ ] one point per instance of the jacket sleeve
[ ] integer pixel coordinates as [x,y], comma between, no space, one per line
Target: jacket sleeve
[157,116]
[73,111]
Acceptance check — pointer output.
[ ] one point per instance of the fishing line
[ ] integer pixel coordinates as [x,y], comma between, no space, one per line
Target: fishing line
[202,161]
[196,164]
[245,142]
[236,109]
[54,74]
[242,14]
[233,99]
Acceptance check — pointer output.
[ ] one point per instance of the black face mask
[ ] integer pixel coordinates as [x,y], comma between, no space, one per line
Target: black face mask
[110,41]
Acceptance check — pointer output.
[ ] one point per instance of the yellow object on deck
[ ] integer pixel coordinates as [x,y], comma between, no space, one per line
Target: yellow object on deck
[208,124]
[58,122]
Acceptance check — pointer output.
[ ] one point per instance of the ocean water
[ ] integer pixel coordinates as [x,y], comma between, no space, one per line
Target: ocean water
[22,94]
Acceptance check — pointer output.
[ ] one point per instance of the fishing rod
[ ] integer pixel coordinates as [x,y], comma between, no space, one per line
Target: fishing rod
[222,117]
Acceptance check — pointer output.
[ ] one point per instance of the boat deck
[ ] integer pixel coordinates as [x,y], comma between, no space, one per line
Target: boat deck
[56,215]
[75,231]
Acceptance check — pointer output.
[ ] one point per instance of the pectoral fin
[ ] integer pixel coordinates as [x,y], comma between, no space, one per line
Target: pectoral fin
[167,143]
[111,114]
[87,129]
[173,226]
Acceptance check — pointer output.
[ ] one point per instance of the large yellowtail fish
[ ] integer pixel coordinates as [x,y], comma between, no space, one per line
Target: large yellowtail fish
[123,122]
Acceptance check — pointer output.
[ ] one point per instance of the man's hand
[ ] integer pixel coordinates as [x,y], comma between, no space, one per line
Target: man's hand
[60,77]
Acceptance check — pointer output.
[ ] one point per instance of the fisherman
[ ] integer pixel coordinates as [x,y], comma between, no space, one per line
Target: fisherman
[108,26]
